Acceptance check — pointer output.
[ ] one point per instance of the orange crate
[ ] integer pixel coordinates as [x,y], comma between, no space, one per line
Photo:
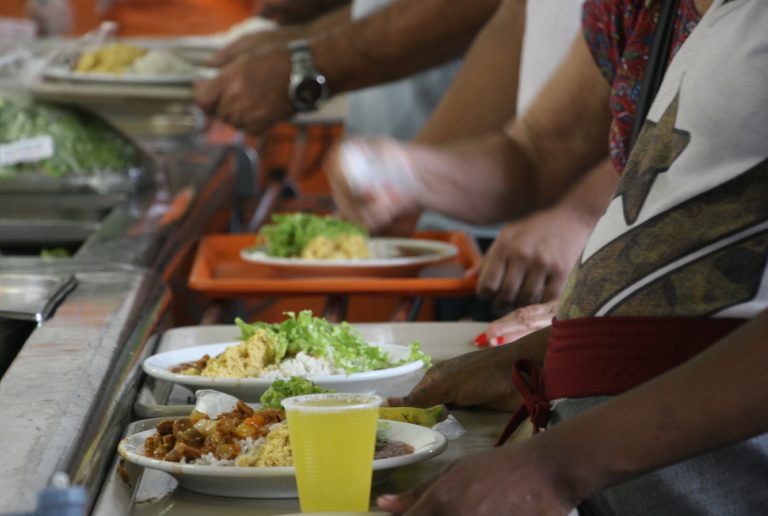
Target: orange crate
[219,272]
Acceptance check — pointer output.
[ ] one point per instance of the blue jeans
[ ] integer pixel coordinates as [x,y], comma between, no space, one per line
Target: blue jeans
[729,481]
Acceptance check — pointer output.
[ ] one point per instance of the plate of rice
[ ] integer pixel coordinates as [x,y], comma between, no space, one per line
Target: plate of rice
[257,465]
[333,356]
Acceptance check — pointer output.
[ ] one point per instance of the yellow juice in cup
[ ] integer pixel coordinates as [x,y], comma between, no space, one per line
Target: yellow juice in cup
[332,440]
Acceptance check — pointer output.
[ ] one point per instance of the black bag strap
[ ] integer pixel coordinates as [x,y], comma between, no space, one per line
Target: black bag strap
[658,58]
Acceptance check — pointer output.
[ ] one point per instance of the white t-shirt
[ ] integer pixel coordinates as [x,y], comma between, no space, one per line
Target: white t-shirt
[687,233]
[550,28]
[399,108]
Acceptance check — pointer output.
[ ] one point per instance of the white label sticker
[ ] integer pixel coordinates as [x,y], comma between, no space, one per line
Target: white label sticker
[27,150]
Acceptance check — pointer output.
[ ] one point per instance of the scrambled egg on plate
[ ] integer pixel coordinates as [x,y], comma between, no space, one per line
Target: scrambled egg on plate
[112,58]
[275,451]
[245,360]
[342,247]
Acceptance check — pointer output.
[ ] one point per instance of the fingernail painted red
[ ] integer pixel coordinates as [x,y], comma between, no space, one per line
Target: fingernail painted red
[481,340]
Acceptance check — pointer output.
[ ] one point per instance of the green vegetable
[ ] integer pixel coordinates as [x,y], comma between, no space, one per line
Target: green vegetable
[417,354]
[281,389]
[289,233]
[83,144]
[54,252]
[317,337]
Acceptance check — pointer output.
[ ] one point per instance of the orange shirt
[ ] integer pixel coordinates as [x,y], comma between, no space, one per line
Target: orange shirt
[177,17]
[13,8]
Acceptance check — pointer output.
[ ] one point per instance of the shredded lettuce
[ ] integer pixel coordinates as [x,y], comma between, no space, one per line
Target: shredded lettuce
[340,343]
[84,144]
[289,233]
[417,354]
[294,386]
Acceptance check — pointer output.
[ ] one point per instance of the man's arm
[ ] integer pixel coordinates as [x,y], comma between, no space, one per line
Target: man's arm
[400,39]
[264,42]
[493,178]
[483,94]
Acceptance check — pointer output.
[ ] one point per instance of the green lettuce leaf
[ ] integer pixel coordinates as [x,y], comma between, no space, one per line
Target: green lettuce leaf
[317,337]
[289,233]
[294,386]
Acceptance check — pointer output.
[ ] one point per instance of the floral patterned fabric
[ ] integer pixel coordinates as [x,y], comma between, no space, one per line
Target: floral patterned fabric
[619,34]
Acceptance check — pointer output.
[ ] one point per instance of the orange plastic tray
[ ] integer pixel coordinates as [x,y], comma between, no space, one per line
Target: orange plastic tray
[219,271]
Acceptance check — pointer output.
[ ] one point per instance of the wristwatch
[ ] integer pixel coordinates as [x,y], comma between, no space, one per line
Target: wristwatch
[307,88]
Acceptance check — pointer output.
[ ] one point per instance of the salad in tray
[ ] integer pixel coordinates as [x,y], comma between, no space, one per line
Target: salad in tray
[48,143]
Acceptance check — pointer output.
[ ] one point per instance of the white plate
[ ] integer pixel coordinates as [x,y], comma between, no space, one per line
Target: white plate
[64,73]
[250,389]
[278,482]
[390,256]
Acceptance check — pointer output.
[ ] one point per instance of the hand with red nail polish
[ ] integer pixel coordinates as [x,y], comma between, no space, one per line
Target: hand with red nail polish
[517,324]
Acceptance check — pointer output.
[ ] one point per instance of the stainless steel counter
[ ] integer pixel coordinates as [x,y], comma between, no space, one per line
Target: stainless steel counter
[67,394]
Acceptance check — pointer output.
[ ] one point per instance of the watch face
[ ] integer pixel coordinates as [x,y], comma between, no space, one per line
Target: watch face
[309,91]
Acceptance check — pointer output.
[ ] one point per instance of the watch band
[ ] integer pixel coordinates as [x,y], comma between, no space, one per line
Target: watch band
[301,55]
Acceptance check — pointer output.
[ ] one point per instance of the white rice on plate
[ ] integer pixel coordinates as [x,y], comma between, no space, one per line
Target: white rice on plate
[300,365]
[272,449]
[247,447]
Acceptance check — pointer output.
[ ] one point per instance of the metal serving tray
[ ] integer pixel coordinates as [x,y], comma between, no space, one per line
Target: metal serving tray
[33,296]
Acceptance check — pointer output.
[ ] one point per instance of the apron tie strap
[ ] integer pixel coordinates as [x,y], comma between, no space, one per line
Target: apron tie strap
[535,405]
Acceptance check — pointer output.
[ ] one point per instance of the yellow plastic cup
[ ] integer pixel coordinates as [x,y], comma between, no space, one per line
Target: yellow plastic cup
[333,436]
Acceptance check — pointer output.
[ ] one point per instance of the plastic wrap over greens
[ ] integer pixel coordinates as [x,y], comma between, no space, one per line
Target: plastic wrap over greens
[50,145]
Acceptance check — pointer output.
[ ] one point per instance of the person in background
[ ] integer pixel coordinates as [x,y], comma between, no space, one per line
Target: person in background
[400,108]
[530,258]
[253,89]
[394,104]
[653,382]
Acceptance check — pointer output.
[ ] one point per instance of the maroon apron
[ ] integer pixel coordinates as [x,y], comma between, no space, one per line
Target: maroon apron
[603,356]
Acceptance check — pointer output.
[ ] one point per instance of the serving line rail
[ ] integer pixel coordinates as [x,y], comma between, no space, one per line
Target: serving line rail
[67,395]
[131,490]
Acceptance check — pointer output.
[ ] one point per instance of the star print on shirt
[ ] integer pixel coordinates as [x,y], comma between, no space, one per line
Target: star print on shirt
[658,146]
